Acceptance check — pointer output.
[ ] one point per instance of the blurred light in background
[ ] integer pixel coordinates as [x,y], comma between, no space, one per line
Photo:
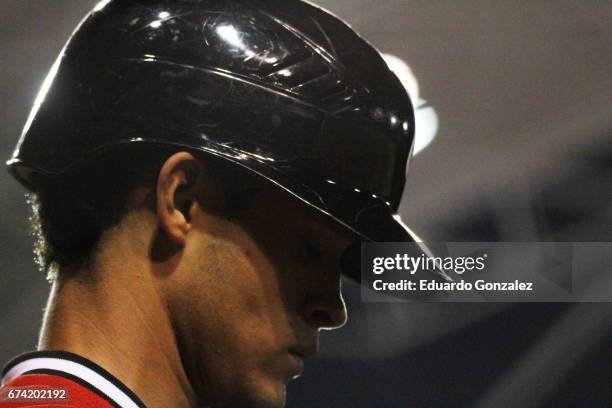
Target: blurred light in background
[101,5]
[425,116]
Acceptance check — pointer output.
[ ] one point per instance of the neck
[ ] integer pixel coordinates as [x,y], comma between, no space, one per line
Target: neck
[122,325]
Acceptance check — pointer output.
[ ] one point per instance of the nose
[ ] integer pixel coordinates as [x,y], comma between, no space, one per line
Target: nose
[326,312]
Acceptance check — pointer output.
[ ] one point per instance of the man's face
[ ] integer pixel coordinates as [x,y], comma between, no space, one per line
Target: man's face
[250,296]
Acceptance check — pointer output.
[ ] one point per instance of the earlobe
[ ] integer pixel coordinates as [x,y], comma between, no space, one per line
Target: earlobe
[176,195]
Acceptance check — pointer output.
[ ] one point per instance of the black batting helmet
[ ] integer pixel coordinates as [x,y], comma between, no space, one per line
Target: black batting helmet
[280,87]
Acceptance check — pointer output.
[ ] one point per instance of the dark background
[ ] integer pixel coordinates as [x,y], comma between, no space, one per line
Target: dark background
[523,93]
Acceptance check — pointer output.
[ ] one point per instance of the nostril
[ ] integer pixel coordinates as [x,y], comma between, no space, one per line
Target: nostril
[329,314]
[321,318]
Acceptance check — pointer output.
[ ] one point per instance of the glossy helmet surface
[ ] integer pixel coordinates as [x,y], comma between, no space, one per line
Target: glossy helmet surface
[280,87]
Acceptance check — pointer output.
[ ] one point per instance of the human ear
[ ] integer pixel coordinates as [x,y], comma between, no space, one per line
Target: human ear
[176,191]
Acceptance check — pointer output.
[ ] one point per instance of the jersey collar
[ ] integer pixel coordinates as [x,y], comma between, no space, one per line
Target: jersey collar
[70,365]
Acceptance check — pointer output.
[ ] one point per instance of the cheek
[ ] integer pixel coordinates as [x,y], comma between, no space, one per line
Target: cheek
[236,322]
[233,303]
[252,290]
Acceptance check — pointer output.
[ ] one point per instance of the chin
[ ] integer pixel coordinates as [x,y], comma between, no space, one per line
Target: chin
[269,396]
[264,394]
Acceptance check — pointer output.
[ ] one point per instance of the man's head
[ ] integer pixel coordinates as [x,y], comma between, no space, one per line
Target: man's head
[283,136]
[248,293]
[247,273]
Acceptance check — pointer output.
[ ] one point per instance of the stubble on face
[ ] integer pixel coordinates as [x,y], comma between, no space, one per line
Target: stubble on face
[239,309]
